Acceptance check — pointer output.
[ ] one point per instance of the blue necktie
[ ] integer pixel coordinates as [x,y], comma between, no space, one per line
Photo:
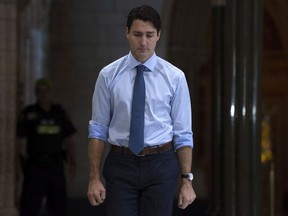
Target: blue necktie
[136,139]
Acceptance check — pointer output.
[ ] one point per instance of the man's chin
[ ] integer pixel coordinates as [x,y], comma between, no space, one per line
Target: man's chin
[143,56]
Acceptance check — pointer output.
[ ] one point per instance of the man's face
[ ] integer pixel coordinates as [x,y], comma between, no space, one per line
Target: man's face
[142,39]
[43,94]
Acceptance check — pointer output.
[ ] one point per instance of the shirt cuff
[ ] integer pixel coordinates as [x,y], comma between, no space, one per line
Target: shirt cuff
[183,141]
[97,131]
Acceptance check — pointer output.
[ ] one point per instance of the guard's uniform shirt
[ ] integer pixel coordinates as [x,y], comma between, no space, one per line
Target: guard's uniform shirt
[44,174]
[45,132]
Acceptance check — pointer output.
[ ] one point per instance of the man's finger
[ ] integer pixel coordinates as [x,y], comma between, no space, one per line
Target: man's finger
[183,203]
[92,200]
[100,197]
[180,202]
[183,206]
[95,199]
[103,195]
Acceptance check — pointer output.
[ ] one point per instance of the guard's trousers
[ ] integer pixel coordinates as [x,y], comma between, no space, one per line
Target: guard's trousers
[43,182]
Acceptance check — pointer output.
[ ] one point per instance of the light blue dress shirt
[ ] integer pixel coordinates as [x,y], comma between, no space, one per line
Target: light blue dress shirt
[167,104]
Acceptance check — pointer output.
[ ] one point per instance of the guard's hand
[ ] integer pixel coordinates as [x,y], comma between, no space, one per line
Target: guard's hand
[71,172]
[96,192]
[186,194]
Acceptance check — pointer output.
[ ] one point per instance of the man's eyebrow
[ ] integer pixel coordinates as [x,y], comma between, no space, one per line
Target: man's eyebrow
[149,32]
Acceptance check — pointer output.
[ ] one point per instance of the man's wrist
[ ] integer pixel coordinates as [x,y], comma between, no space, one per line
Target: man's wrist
[185,182]
[189,176]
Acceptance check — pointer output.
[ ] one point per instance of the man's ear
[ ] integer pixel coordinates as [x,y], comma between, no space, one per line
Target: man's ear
[158,35]
[127,31]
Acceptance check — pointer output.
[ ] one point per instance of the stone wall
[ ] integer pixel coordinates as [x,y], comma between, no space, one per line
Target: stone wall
[8,80]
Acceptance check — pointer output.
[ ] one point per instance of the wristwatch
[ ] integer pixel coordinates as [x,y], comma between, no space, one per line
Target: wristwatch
[188,176]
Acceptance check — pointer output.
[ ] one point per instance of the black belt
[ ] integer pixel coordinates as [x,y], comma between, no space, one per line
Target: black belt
[146,151]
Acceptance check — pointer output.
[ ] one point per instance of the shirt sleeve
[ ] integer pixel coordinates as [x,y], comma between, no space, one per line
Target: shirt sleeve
[98,125]
[182,115]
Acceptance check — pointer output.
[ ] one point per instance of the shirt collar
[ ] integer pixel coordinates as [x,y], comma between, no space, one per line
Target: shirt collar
[150,63]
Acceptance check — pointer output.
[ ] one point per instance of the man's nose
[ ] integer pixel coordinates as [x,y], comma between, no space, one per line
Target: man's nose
[143,40]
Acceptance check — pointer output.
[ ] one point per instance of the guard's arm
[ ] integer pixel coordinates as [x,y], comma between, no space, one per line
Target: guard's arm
[71,156]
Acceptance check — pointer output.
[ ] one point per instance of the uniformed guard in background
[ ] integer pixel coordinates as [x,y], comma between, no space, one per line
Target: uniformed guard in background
[46,141]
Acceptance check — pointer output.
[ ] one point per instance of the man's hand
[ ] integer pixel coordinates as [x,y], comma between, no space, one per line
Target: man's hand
[96,192]
[186,194]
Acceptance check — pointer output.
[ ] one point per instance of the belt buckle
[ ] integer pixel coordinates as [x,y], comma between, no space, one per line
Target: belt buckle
[141,155]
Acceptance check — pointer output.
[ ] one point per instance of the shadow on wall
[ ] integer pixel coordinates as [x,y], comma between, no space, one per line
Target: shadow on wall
[79,207]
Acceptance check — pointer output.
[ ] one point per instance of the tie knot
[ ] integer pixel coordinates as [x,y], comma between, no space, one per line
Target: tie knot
[140,68]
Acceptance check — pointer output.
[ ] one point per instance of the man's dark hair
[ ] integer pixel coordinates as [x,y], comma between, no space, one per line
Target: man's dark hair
[145,13]
[42,82]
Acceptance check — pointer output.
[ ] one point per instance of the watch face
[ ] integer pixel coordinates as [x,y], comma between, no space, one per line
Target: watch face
[188,176]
